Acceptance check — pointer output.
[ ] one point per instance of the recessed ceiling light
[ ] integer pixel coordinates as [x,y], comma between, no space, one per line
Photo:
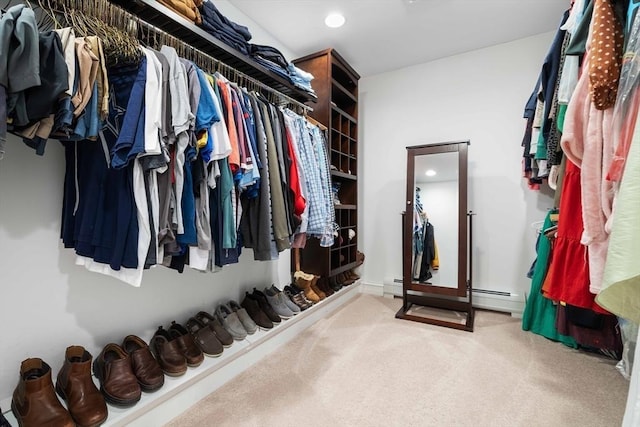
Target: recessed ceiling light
[334,20]
[431,172]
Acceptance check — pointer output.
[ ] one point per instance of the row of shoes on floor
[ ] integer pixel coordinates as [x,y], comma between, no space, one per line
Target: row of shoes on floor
[124,371]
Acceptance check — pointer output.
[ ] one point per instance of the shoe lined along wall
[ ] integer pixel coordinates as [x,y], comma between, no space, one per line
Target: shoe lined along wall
[88,314]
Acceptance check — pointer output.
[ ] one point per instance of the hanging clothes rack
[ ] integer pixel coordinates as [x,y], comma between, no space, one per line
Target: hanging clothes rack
[153,36]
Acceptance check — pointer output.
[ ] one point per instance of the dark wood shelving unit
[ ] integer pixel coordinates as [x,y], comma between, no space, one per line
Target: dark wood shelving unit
[175,24]
[336,84]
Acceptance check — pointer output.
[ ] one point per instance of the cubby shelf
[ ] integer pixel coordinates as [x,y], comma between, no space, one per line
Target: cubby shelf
[336,84]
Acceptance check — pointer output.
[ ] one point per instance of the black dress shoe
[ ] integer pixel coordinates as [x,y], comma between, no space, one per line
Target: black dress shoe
[3,420]
[265,306]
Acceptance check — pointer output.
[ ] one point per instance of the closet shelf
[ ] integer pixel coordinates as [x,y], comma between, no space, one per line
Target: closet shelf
[344,114]
[171,22]
[345,176]
[337,132]
[343,268]
[344,91]
[345,207]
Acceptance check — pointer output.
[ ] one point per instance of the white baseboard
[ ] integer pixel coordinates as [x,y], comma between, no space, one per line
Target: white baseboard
[513,304]
[371,289]
[179,394]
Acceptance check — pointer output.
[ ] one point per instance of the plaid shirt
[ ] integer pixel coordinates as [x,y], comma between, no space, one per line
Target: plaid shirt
[317,179]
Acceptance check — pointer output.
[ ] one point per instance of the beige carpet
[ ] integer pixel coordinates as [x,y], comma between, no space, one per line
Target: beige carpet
[363,367]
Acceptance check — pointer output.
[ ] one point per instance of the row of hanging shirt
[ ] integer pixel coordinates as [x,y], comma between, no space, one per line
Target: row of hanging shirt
[167,164]
[586,109]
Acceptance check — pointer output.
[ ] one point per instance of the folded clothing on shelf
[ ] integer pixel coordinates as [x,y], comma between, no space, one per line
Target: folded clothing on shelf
[186,8]
[227,31]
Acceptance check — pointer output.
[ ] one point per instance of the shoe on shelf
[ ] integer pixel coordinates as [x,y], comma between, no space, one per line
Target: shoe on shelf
[279,306]
[118,383]
[168,353]
[297,297]
[231,322]
[303,281]
[299,290]
[359,258]
[204,337]
[250,303]
[4,422]
[75,385]
[344,280]
[247,322]
[316,289]
[34,402]
[323,285]
[223,336]
[146,369]
[351,275]
[265,306]
[187,344]
[286,300]
[333,282]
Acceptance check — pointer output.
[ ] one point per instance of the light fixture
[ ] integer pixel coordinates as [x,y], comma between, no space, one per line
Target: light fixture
[334,20]
[431,172]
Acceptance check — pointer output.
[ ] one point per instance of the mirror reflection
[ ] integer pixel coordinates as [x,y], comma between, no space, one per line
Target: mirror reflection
[435,220]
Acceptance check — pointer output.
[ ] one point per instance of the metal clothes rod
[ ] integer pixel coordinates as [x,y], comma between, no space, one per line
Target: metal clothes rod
[233,74]
[140,29]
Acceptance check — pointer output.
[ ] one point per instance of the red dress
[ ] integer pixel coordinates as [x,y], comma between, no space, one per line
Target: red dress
[568,276]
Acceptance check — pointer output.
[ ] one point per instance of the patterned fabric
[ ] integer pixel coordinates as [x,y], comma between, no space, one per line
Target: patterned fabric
[607,40]
[314,162]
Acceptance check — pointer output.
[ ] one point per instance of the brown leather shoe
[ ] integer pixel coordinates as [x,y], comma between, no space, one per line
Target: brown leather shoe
[323,285]
[167,353]
[187,345]
[34,402]
[144,366]
[75,385]
[344,280]
[117,381]
[351,275]
[205,337]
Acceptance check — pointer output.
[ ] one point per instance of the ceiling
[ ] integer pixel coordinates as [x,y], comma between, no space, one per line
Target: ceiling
[383,35]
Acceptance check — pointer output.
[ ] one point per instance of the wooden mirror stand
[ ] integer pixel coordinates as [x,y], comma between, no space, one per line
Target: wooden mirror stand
[424,298]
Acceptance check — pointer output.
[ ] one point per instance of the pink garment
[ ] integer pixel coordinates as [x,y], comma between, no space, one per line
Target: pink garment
[588,142]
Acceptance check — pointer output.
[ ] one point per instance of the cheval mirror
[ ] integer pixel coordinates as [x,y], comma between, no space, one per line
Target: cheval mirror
[436,237]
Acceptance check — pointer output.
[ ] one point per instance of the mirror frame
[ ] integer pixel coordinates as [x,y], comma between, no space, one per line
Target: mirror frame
[461,147]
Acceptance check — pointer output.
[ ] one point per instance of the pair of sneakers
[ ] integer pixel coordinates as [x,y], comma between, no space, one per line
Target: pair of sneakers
[235,320]
[281,303]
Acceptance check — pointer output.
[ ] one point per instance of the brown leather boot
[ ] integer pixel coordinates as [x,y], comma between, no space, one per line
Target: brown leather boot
[323,285]
[34,402]
[75,385]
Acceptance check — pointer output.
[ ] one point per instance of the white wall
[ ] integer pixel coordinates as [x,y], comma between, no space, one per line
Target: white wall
[47,303]
[479,96]
[440,201]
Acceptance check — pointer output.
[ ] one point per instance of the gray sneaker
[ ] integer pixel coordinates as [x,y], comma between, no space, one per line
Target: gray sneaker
[278,304]
[292,306]
[231,322]
[246,320]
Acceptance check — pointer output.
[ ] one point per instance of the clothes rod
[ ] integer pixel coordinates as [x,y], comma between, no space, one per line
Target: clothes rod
[142,29]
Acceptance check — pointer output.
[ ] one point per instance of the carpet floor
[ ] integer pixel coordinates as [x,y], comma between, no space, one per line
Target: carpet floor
[362,367]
